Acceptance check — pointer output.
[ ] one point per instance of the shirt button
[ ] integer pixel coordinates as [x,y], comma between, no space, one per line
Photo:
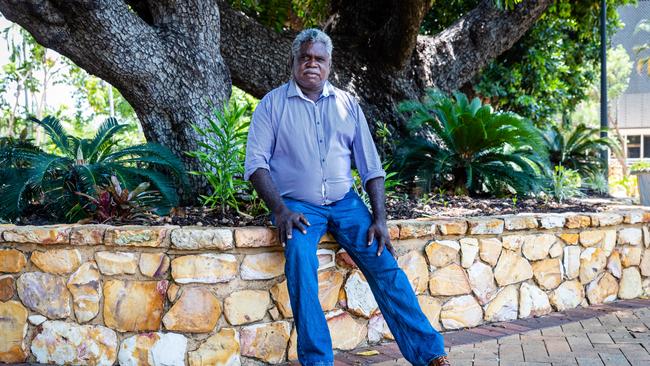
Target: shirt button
[323,160]
[321,141]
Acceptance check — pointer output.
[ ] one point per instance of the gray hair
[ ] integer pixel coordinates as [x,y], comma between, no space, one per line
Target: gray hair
[311,35]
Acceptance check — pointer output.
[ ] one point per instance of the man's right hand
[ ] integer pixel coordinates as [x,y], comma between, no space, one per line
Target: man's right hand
[286,220]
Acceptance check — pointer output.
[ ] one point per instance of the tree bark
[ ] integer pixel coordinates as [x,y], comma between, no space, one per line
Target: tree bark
[166,64]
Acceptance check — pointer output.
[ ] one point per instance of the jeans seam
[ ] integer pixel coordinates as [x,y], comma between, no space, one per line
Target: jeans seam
[381,290]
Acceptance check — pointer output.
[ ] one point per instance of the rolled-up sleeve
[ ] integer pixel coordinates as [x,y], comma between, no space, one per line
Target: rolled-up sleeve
[260,140]
[364,151]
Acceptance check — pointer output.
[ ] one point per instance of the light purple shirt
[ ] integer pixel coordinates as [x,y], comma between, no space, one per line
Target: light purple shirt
[308,147]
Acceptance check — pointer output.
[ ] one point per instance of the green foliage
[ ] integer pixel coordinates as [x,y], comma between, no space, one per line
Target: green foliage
[80,165]
[285,14]
[597,183]
[391,182]
[565,183]
[577,148]
[223,155]
[551,69]
[466,146]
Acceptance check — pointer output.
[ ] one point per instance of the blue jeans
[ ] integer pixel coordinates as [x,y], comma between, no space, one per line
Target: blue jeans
[348,221]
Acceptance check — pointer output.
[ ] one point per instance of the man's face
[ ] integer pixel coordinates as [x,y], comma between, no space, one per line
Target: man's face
[311,67]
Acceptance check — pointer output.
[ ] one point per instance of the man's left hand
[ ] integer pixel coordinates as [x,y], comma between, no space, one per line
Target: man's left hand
[379,231]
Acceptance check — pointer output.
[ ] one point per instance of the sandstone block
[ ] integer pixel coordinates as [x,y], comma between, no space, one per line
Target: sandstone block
[569,238]
[220,349]
[481,281]
[360,299]
[431,309]
[485,226]
[536,247]
[163,349]
[12,261]
[533,301]
[44,235]
[262,266]
[253,237]
[490,250]
[196,237]
[138,236]
[63,343]
[443,252]
[512,268]
[505,305]
[133,306]
[520,222]
[326,258]
[415,267]
[88,234]
[469,251]
[85,287]
[577,221]
[630,286]
[592,262]
[265,341]
[246,306]
[154,264]
[45,294]
[551,221]
[606,219]
[603,289]
[548,273]
[513,242]
[378,329]
[645,263]
[204,268]
[196,311]
[449,281]
[57,261]
[461,312]
[614,264]
[630,235]
[13,327]
[590,238]
[567,296]
[409,229]
[571,261]
[631,256]
[453,227]
[116,263]
[346,332]
[7,287]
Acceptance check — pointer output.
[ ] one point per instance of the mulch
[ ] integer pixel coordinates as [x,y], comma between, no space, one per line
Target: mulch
[399,205]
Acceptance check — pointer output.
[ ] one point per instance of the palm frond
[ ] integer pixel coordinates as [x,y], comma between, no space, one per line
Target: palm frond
[55,131]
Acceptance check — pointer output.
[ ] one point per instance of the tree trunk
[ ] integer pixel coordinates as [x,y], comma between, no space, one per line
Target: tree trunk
[165,56]
[165,61]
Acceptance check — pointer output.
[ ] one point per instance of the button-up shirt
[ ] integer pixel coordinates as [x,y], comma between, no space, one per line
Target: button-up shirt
[308,146]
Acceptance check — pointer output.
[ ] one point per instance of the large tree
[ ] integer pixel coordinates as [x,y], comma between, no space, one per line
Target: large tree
[171,58]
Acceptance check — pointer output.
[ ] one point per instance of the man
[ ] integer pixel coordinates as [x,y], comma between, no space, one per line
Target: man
[301,142]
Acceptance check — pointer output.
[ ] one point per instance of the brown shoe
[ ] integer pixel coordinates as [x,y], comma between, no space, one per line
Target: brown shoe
[440,361]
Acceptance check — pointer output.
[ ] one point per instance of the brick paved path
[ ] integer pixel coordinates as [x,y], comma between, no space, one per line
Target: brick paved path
[611,334]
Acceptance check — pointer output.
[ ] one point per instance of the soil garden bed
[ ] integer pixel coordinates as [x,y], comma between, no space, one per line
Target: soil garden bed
[398,207]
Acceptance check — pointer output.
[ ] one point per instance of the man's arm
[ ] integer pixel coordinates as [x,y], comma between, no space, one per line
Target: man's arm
[378,230]
[285,218]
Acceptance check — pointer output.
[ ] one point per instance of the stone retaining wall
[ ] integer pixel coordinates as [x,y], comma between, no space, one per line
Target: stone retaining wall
[93,294]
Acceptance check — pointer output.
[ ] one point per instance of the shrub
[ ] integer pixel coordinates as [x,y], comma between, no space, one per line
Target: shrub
[464,146]
[53,180]
[390,182]
[565,183]
[578,148]
[223,157]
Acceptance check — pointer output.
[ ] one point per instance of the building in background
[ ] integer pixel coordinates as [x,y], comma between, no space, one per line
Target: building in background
[631,110]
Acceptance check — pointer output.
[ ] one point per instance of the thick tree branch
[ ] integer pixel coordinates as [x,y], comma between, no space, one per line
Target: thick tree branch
[451,58]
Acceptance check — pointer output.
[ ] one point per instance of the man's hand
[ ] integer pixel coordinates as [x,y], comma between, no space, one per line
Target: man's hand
[286,220]
[379,231]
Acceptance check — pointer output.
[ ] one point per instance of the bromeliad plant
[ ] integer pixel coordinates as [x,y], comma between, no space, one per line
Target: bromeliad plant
[466,147]
[31,175]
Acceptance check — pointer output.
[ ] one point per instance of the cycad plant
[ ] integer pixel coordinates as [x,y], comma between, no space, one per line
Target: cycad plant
[466,147]
[578,148]
[54,180]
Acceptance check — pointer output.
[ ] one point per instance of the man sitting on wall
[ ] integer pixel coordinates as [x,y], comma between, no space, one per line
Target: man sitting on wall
[301,142]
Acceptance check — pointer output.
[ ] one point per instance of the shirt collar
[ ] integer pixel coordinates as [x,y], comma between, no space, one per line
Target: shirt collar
[294,90]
